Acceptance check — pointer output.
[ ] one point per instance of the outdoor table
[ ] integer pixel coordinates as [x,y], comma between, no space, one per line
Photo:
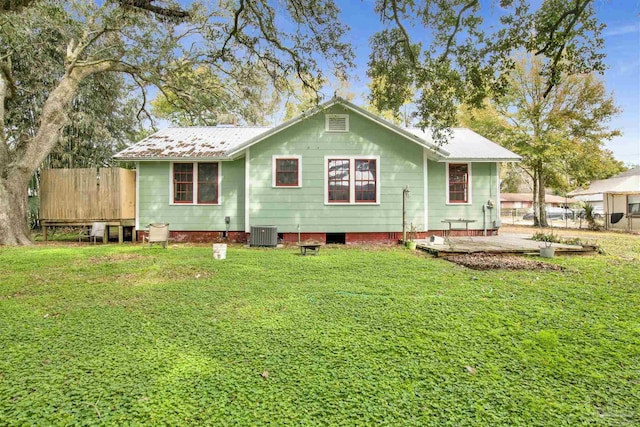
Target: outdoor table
[466,223]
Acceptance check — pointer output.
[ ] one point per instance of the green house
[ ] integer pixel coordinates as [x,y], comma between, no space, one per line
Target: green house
[337,173]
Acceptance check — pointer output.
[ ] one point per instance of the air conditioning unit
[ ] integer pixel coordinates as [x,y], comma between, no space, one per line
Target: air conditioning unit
[264,235]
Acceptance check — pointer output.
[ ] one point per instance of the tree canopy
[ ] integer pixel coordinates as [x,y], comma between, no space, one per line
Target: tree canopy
[51,50]
[559,134]
[465,61]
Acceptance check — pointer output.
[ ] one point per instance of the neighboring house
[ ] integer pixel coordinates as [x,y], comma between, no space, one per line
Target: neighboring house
[595,200]
[621,199]
[525,201]
[335,174]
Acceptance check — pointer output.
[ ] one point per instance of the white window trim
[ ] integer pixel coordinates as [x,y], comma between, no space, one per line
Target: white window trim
[137,207]
[352,177]
[469,184]
[195,185]
[273,170]
[425,200]
[328,117]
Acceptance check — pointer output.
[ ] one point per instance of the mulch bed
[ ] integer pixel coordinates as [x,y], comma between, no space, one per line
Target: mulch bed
[482,261]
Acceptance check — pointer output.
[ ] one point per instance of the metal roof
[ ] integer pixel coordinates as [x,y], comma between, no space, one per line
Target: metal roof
[226,142]
[191,142]
[625,183]
[466,145]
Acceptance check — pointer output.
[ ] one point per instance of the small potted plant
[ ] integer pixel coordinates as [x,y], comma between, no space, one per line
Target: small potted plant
[411,243]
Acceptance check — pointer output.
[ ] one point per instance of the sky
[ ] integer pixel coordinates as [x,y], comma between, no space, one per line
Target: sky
[622,49]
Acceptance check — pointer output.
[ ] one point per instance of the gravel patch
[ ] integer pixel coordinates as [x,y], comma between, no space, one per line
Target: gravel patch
[482,261]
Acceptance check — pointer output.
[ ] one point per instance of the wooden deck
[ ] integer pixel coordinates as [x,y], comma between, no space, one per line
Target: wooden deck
[501,244]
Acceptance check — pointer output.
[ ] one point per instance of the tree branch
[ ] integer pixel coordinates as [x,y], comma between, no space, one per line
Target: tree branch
[405,35]
[553,66]
[467,6]
[292,54]
[148,6]
[576,12]
[234,30]
[142,108]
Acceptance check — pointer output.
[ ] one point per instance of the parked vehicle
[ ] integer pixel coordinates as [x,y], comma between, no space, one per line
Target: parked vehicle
[598,212]
[553,213]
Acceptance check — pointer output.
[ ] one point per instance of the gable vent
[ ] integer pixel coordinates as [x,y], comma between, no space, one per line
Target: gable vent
[337,123]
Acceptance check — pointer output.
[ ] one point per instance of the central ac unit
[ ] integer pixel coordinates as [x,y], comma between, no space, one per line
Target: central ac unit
[264,235]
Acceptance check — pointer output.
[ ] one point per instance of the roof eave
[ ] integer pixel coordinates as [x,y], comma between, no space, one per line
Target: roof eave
[480,160]
[171,159]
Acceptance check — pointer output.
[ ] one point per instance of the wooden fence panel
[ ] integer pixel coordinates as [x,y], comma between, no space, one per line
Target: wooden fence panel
[87,194]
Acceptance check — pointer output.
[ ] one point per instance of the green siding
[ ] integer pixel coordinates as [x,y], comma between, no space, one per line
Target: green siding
[483,189]
[400,164]
[154,203]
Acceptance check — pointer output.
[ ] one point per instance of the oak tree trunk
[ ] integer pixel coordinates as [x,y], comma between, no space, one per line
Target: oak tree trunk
[19,163]
[542,200]
[536,204]
[14,228]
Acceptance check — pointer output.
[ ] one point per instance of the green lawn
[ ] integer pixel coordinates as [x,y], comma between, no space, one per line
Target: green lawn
[120,335]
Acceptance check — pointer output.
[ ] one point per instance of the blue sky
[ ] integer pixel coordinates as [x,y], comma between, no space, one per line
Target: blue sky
[622,47]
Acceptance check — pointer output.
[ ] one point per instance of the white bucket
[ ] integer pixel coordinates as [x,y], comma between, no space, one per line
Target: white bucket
[436,240]
[547,252]
[219,251]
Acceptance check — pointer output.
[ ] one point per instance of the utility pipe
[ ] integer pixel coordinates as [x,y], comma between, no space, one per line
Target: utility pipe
[405,195]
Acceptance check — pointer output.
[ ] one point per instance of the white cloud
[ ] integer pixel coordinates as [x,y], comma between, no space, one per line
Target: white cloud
[625,29]
[629,66]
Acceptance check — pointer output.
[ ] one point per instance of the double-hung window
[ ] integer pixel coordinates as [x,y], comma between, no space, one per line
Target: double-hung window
[287,171]
[351,180]
[458,183]
[196,183]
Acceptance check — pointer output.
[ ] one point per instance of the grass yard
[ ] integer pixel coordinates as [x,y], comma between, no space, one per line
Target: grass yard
[121,335]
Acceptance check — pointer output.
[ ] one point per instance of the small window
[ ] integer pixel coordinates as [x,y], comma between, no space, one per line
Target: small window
[633,205]
[183,183]
[337,123]
[287,171]
[196,183]
[207,183]
[458,180]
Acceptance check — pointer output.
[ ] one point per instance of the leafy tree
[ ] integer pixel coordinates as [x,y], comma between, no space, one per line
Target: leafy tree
[400,117]
[560,135]
[489,123]
[303,98]
[299,100]
[464,63]
[200,97]
[152,41]
[149,44]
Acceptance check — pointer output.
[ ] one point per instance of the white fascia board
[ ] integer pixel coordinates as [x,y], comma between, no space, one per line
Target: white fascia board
[474,160]
[174,159]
